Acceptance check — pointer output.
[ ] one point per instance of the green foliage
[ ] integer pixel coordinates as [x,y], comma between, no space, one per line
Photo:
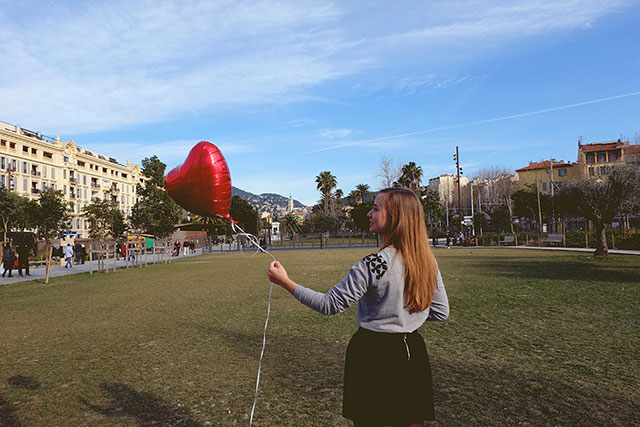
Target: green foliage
[326,183]
[600,201]
[500,220]
[291,224]
[410,176]
[245,214]
[106,220]
[359,216]
[432,206]
[324,223]
[11,208]
[155,213]
[52,213]
[526,204]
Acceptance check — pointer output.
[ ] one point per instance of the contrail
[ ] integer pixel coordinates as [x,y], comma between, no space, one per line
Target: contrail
[496,119]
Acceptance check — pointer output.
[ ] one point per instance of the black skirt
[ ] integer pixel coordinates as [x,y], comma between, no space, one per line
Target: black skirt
[387,379]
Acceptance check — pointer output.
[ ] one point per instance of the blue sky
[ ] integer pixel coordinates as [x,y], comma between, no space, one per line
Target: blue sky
[288,89]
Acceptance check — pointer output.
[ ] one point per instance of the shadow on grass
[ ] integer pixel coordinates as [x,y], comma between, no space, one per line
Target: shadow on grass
[27,383]
[300,359]
[7,414]
[564,270]
[144,407]
[469,393]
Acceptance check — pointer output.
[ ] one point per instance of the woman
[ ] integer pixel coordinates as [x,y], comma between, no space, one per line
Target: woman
[8,259]
[387,378]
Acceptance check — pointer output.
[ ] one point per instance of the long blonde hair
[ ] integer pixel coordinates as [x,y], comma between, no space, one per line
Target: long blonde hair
[406,231]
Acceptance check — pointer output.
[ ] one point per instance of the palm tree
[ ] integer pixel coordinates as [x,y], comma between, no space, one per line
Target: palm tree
[326,183]
[410,176]
[291,224]
[362,192]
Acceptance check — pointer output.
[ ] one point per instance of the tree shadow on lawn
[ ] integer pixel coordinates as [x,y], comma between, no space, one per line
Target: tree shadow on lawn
[8,415]
[560,270]
[471,393]
[144,407]
[27,383]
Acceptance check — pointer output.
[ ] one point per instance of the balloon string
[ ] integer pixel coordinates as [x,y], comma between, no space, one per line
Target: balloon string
[254,240]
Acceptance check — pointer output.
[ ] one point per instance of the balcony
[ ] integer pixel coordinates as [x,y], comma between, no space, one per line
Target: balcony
[35,191]
[95,185]
[35,173]
[73,180]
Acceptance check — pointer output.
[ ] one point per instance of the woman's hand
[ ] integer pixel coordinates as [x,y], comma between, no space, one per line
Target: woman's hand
[278,275]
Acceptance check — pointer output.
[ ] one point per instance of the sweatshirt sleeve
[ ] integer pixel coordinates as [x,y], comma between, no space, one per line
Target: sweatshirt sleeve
[342,295]
[439,309]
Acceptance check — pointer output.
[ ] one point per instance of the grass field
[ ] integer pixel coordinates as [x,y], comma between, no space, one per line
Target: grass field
[534,338]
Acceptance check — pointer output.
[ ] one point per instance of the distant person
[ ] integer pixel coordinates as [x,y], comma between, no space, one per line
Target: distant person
[8,259]
[192,246]
[77,249]
[83,253]
[185,248]
[387,376]
[68,255]
[23,259]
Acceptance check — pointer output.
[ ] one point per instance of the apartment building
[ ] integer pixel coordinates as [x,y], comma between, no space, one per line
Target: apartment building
[595,160]
[547,175]
[447,187]
[31,162]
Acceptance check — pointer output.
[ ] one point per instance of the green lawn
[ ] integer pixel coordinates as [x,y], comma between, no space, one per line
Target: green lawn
[534,338]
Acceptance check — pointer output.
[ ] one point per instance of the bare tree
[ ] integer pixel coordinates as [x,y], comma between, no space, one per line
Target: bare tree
[389,172]
[496,185]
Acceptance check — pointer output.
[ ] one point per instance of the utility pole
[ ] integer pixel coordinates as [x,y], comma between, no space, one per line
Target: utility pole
[456,157]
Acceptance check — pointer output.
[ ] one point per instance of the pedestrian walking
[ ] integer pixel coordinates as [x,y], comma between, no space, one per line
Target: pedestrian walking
[8,259]
[68,255]
[23,258]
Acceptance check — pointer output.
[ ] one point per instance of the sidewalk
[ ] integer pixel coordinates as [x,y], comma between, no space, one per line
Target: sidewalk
[39,273]
[545,248]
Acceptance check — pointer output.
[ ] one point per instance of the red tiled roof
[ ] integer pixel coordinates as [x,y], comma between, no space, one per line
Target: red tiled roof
[543,165]
[601,146]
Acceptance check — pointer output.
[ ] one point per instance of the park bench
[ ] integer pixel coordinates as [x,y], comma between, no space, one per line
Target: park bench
[553,239]
[508,240]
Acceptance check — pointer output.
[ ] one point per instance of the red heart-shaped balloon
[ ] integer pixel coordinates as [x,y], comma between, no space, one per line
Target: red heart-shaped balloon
[202,184]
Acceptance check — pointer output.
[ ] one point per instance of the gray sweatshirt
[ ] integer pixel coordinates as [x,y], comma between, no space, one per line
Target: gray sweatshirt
[377,283]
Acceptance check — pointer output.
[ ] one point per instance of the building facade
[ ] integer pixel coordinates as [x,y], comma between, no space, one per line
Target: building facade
[30,162]
[548,175]
[447,187]
[595,160]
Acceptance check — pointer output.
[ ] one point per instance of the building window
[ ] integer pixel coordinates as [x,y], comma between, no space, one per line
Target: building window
[34,151]
[47,155]
[53,173]
[590,158]
[591,172]
[64,174]
[64,189]
[3,142]
[25,148]
[2,184]
[605,170]
[24,184]
[24,167]
[66,159]
[1,162]
[12,145]
[544,186]
[80,163]
[602,157]
[562,172]
[44,171]
[613,156]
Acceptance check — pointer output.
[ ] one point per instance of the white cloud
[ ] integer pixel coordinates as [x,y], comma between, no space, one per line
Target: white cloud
[334,133]
[75,67]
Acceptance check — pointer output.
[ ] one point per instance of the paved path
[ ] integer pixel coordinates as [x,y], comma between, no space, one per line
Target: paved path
[57,270]
[546,248]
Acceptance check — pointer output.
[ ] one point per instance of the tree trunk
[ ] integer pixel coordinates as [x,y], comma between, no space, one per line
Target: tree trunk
[601,248]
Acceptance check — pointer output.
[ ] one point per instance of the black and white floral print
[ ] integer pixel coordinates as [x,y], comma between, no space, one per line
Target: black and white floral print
[377,265]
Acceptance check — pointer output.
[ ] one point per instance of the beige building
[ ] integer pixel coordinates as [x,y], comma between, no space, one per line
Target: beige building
[595,160]
[30,162]
[447,187]
[547,174]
